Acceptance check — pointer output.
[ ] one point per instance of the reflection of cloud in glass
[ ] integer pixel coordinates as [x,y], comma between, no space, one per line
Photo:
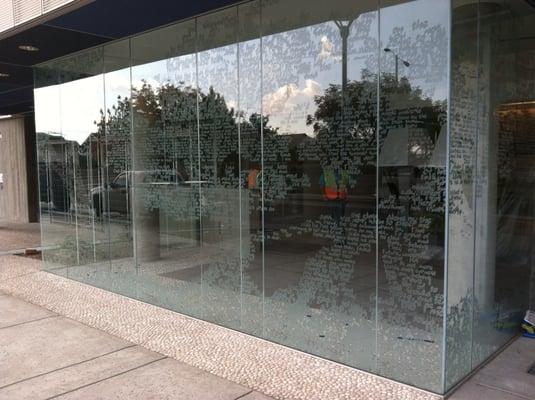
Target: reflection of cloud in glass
[289,96]
[327,49]
[232,104]
[117,83]
[75,120]
[290,91]
[47,115]
[286,104]
[78,117]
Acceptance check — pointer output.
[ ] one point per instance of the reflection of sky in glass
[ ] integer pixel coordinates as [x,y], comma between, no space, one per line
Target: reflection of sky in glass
[47,115]
[424,49]
[288,89]
[74,117]
[71,109]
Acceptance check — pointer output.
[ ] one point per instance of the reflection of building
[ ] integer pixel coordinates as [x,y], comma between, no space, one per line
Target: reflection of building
[186,193]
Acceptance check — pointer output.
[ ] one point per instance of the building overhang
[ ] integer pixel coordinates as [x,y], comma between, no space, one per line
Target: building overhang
[76,26]
[82,24]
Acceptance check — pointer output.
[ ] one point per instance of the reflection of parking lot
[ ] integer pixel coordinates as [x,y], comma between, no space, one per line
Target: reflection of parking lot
[58,227]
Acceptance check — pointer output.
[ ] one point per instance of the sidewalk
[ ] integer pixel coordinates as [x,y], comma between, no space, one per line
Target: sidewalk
[18,236]
[46,356]
[505,377]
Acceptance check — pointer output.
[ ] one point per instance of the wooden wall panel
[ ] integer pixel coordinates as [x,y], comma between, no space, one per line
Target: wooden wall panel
[14,193]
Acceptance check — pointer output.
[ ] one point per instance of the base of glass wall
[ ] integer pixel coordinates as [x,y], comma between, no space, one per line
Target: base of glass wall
[275,370]
[480,366]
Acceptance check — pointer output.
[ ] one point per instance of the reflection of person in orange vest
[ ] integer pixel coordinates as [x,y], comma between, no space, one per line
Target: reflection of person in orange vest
[255,175]
[254,184]
[334,183]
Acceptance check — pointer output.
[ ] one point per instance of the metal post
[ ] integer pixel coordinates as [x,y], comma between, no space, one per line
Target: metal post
[397,68]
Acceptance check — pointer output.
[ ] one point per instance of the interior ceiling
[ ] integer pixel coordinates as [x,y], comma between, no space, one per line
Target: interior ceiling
[93,24]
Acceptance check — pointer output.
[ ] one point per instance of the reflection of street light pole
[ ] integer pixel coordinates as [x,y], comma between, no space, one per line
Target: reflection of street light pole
[398,58]
[344,33]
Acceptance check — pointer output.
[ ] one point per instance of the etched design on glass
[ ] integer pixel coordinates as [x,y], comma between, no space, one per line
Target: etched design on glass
[272,168]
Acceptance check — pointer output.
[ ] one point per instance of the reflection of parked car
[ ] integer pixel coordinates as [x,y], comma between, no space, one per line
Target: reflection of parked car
[116,197]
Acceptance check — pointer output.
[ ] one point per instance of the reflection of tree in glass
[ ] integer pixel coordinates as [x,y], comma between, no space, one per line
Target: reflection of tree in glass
[349,136]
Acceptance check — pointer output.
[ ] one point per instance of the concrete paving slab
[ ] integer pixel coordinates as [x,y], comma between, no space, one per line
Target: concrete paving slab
[161,380]
[508,371]
[14,311]
[473,391]
[272,369]
[256,396]
[45,345]
[15,266]
[14,236]
[78,375]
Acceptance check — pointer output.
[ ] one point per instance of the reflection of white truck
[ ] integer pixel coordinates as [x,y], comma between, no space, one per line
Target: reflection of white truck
[116,197]
[169,206]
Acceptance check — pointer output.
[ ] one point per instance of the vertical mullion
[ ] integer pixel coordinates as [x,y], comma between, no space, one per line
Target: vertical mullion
[199,178]
[446,208]
[88,189]
[377,171]
[104,180]
[262,171]
[476,182]
[75,203]
[239,117]
[132,166]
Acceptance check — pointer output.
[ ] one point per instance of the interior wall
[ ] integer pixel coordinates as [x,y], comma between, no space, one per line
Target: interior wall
[32,177]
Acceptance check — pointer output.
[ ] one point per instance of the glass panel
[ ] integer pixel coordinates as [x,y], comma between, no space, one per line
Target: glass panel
[54,174]
[319,151]
[82,73]
[412,181]
[68,138]
[251,183]
[461,190]
[113,201]
[166,183]
[505,161]
[220,166]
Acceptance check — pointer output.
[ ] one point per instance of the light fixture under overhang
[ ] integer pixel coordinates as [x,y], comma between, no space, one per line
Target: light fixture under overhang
[5,116]
[4,75]
[27,47]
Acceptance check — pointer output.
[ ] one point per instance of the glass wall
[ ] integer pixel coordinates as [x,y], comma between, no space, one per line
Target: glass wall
[306,174]
[412,135]
[492,164]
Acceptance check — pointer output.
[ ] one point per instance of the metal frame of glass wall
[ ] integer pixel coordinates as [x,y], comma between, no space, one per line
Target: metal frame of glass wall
[289,170]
